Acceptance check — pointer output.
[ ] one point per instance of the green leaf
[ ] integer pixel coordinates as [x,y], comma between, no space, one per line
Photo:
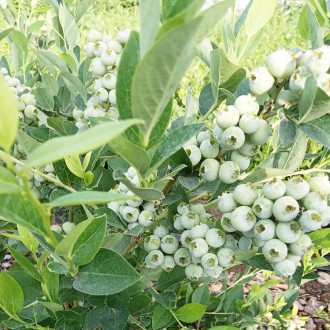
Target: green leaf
[174,142]
[69,26]
[232,296]
[58,148]
[159,73]
[83,6]
[9,116]
[318,130]
[51,61]
[50,83]
[150,23]
[201,295]
[27,142]
[8,182]
[50,284]
[84,241]
[191,312]
[24,263]
[265,173]
[62,126]
[161,318]
[224,327]
[168,279]
[20,42]
[74,165]
[107,274]
[287,131]
[73,82]
[303,27]
[316,35]
[321,237]
[259,261]
[44,98]
[4,33]
[11,294]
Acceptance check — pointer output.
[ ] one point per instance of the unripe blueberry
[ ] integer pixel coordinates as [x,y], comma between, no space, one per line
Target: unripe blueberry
[262,134]
[263,208]
[319,61]
[298,80]
[225,257]
[248,149]
[68,227]
[226,223]
[131,172]
[108,57]
[13,82]
[98,67]
[297,187]
[209,261]
[249,123]
[285,98]
[245,243]
[168,263]
[209,148]
[281,64]
[123,36]
[177,223]
[325,213]
[288,232]
[258,242]
[198,247]
[301,246]
[130,214]
[115,46]
[197,208]
[217,132]
[274,189]
[229,172]
[203,135]
[210,169]
[30,111]
[99,47]
[285,268]
[245,194]
[294,258]
[169,244]
[230,242]
[189,219]
[242,161]
[199,230]
[109,81]
[186,238]
[247,104]
[57,229]
[192,141]
[315,201]
[114,206]
[264,229]
[213,273]
[323,82]
[243,218]
[94,35]
[227,203]
[227,116]
[28,99]
[183,208]
[89,49]
[151,243]
[261,81]
[194,272]
[97,85]
[146,218]
[182,257]
[232,138]
[320,183]
[102,94]
[215,237]
[275,250]
[285,209]
[249,233]
[310,220]
[194,154]
[154,259]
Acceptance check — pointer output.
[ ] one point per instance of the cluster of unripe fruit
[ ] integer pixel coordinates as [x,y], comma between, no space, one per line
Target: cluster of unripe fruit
[63,229]
[105,53]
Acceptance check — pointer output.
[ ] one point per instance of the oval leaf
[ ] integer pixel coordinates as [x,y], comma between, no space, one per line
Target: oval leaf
[190,313]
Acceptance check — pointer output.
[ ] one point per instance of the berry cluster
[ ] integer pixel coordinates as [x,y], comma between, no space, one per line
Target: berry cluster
[63,229]
[105,52]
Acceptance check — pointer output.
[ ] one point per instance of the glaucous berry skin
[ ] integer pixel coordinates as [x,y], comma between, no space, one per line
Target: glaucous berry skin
[285,268]
[274,189]
[225,257]
[245,243]
[248,149]
[323,82]
[210,169]
[197,208]
[297,187]
[261,80]
[194,154]
[213,273]
[263,207]
[112,97]
[146,218]
[189,219]
[209,261]
[137,201]
[262,134]
[161,231]
[186,238]
[154,259]
[227,116]
[247,104]
[109,81]
[281,64]
[56,228]
[203,135]
[177,223]
[215,237]
[242,161]
[243,218]
[320,183]
[315,201]
[294,258]
[264,229]
[319,61]
[98,67]
[169,244]
[198,247]
[229,172]
[123,36]
[168,263]
[67,227]
[249,233]
[94,35]
[130,214]
[194,272]
[288,232]
[217,132]
[182,257]
[258,242]
[230,242]
[232,138]
[151,243]
[325,213]
[301,246]
[298,80]
[209,148]
[182,208]
[249,123]
[310,220]
[199,230]
[244,194]
[275,250]
[285,209]
[226,222]
[227,203]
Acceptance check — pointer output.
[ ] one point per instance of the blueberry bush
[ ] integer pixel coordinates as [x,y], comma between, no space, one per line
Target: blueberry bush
[124,212]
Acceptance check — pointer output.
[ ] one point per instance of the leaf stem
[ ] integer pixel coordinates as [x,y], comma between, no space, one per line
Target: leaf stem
[215,104]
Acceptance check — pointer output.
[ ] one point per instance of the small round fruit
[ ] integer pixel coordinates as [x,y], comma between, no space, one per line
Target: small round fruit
[169,244]
[151,243]
[275,250]
[242,161]
[109,81]
[232,138]
[318,62]
[209,261]
[281,64]
[325,213]
[183,208]
[56,228]
[154,259]
[197,208]
[227,116]
[285,209]
[130,214]
[264,229]
[198,247]
[227,203]
[249,123]
[248,149]
[199,230]
[310,220]
[274,189]
[194,272]
[203,135]
[98,67]
[285,268]
[230,242]
[146,218]
[210,169]
[182,257]
[297,187]
[68,227]
[315,201]
[229,172]
[123,36]
[186,238]
[213,273]
[320,183]
[194,154]
[298,80]
[258,242]
[161,231]
[294,258]
[189,219]
[262,134]
[209,148]
[301,246]
[244,194]
[261,80]
[215,237]
[177,223]
[247,104]
[243,218]
[288,232]
[226,223]
[135,202]
[245,243]
[225,257]
[168,263]
[263,207]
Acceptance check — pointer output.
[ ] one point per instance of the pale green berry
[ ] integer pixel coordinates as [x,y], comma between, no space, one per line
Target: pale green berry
[189,219]
[247,104]
[263,207]
[151,243]
[281,64]
[215,237]
[320,183]
[262,134]
[288,232]
[161,231]
[209,261]
[275,250]
[186,238]
[229,172]
[249,123]
[182,257]
[285,268]
[232,138]
[245,194]
[194,154]
[227,116]
[198,247]
[248,149]
[285,209]
[199,230]
[210,169]
[68,227]
[261,81]
[301,246]
[146,218]
[227,203]
[264,229]
[243,218]
[297,187]
[274,189]
[209,148]
[242,161]
[169,244]
[315,201]
[194,272]
[154,259]
[226,223]
[225,257]
[57,229]
[168,263]
[310,220]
